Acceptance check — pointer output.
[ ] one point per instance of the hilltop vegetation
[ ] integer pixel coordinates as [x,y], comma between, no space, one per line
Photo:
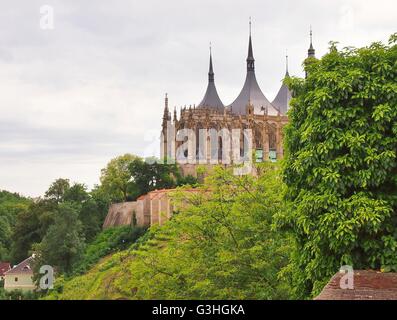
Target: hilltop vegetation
[64,227]
[221,246]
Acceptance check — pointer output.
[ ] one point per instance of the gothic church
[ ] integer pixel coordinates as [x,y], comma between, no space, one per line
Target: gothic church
[250,110]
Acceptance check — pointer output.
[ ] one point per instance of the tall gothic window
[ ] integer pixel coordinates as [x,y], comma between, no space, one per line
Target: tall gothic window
[220,149]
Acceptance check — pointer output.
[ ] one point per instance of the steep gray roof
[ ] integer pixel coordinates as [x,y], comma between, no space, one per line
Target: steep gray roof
[211,98]
[281,101]
[251,92]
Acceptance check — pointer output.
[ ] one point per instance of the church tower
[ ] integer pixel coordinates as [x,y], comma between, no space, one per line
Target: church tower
[311,53]
[164,152]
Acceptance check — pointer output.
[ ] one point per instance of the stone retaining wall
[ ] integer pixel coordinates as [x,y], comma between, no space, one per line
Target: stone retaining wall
[153,208]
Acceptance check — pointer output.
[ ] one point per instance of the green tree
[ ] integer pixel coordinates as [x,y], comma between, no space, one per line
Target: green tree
[32,224]
[76,193]
[116,179]
[57,190]
[149,174]
[63,244]
[30,227]
[11,205]
[91,218]
[340,167]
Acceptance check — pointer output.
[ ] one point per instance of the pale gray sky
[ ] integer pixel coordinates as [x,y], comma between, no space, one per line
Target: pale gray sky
[92,88]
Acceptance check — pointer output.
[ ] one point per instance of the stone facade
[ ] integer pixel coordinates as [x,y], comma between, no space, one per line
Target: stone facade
[267,134]
[156,207]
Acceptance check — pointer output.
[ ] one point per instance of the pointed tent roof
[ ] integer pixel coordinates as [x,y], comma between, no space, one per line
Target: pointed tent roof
[251,92]
[211,98]
[283,97]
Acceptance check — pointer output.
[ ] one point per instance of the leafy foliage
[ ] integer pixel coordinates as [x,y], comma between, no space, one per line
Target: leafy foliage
[63,244]
[149,175]
[341,168]
[11,205]
[17,295]
[127,177]
[30,227]
[116,179]
[32,224]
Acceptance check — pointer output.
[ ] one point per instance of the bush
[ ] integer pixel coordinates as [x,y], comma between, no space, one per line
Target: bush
[18,295]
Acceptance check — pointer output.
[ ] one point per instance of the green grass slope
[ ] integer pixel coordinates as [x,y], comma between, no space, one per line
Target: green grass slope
[222,245]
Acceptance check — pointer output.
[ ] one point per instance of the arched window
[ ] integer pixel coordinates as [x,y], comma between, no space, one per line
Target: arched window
[220,149]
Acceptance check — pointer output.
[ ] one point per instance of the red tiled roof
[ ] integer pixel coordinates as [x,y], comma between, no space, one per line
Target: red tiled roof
[4,267]
[367,285]
[25,266]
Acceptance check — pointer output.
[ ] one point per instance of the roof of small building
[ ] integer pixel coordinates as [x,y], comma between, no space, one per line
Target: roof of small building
[366,285]
[25,267]
[4,267]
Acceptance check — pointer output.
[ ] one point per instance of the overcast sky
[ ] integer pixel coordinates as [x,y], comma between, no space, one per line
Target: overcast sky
[93,87]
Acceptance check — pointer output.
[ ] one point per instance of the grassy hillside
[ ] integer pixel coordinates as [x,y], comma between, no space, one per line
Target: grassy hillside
[105,280]
[98,283]
[105,243]
[221,246]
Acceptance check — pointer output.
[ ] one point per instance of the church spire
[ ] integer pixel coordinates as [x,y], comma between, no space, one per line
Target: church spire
[283,97]
[211,98]
[166,115]
[286,65]
[311,52]
[250,57]
[211,70]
